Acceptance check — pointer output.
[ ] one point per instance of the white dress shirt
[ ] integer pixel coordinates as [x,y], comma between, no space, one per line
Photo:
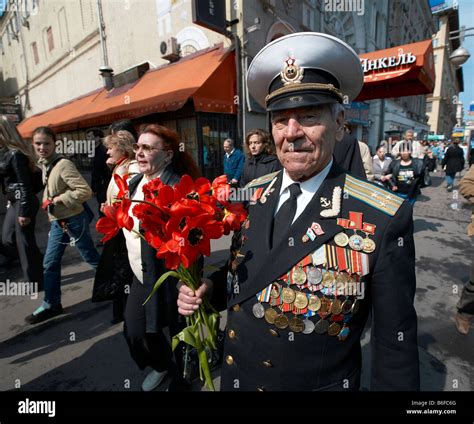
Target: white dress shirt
[308,190]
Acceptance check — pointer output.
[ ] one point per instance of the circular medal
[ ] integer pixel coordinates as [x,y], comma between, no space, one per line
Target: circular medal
[275,292]
[342,278]
[328,279]
[336,307]
[281,321]
[343,333]
[355,307]
[301,301]
[258,310]
[325,308]
[368,245]
[296,325]
[288,295]
[346,306]
[270,315]
[314,275]
[308,326]
[334,329]
[299,276]
[341,239]
[314,303]
[321,326]
[355,242]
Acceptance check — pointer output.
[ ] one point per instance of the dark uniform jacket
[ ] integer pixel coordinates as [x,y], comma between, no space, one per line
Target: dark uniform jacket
[260,356]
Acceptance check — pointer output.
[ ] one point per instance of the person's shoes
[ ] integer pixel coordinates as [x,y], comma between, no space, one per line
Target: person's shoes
[462,323]
[44,312]
[449,188]
[153,380]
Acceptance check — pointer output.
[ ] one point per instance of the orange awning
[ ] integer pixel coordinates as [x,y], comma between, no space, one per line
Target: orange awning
[399,71]
[208,78]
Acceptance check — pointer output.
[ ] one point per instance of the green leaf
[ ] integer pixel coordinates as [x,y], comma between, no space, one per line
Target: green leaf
[160,282]
[187,336]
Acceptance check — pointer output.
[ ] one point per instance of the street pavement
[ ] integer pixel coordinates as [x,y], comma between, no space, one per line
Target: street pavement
[81,351]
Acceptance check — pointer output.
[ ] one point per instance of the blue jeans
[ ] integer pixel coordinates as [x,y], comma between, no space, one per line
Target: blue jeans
[78,235]
[405,196]
[450,179]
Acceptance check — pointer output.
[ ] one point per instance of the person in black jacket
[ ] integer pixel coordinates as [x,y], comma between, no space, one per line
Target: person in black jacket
[261,159]
[407,174]
[101,174]
[288,327]
[454,162]
[17,164]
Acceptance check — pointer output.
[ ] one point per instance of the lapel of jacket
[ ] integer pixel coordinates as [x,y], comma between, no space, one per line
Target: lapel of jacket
[133,183]
[276,262]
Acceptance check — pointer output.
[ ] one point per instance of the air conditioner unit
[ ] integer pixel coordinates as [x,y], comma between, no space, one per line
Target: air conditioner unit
[170,49]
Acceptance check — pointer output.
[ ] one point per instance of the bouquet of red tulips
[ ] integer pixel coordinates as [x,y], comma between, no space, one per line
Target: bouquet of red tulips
[179,223]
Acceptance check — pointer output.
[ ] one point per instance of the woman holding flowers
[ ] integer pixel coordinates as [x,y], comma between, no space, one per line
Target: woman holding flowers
[159,160]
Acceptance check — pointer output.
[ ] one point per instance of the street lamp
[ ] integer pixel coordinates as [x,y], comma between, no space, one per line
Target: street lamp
[461,55]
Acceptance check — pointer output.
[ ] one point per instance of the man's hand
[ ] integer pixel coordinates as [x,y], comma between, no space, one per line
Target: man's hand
[188,300]
[394,188]
[24,221]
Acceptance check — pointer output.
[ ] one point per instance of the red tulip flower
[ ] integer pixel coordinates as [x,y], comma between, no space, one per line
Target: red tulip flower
[116,217]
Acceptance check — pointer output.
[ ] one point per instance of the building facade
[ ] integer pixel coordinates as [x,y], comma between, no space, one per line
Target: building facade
[444,103]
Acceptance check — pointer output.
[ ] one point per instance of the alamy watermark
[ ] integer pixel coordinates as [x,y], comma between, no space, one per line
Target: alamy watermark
[74,147]
[47,407]
[356,6]
[12,288]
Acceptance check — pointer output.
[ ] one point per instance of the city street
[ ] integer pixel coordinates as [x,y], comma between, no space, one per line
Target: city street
[81,351]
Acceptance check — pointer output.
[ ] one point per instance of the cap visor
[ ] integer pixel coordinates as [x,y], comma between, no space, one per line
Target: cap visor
[296,100]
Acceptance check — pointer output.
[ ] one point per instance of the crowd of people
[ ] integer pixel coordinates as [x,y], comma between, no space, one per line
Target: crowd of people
[310,158]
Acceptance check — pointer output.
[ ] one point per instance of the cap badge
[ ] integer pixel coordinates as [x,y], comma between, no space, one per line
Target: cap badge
[292,73]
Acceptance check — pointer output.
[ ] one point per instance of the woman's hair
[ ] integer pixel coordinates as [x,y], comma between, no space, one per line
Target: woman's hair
[12,140]
[45,131]
[123,140]
[268,146]
[182,162]
[123,125]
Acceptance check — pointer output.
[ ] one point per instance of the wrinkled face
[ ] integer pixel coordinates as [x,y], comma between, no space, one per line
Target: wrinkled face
[228,146]
[255,144]
[115,154]
[409,135]
[44,145]
[305,138]
[151,154]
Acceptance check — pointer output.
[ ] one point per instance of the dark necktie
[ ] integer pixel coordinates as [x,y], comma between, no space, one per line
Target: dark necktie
[286,213]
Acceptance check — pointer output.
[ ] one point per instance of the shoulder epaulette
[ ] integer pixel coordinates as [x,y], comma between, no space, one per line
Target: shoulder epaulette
[377,197]
[264,179]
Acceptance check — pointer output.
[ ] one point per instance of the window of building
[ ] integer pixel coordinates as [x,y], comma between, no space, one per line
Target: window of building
[34,46]
[435,42]
[49,33]
[308,17]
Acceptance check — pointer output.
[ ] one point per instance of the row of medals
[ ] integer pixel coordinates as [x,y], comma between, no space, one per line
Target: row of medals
[355,242]
[324,306]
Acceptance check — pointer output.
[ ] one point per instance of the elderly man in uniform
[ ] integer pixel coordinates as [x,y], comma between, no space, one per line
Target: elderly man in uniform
[320,249]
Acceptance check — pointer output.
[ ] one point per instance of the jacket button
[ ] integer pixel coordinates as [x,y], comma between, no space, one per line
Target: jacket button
[260,389]
[229,360]
[236,308]
[274,333]
[231,334]
[267,363]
